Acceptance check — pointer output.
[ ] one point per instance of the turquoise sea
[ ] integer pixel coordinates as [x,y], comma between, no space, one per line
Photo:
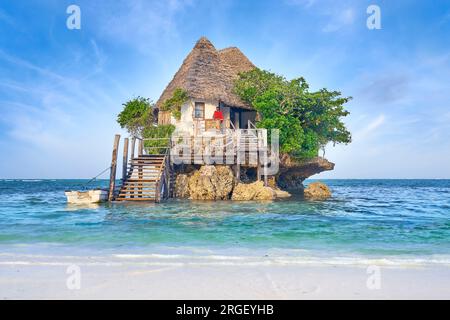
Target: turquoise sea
[365,218]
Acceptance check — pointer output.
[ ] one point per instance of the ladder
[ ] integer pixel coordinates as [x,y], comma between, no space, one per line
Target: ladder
[148,179]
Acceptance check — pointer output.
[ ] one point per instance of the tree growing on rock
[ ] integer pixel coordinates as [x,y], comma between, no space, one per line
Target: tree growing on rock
[137,118]
[136,115]
[307,121]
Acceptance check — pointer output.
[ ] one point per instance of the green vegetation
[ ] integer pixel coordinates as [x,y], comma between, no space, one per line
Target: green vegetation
[161,134]
[174,103]
[307,120]
[137,118]
[136,115]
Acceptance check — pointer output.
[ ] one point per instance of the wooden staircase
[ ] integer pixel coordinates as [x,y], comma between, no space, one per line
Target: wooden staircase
[148,179]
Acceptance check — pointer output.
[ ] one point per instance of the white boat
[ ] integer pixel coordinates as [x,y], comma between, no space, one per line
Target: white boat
[84,197]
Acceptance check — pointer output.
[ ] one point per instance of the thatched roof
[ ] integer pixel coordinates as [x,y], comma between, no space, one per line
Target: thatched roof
[209,74]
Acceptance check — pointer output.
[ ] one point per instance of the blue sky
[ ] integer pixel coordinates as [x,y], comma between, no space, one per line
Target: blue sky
[61,89]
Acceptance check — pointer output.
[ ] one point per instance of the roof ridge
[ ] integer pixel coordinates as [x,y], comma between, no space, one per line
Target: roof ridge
[209,73]
[204,42]
[228,49]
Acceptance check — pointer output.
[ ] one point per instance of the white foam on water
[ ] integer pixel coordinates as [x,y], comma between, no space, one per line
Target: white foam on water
[148,256]
[203,256]
[217,260]
[232,261]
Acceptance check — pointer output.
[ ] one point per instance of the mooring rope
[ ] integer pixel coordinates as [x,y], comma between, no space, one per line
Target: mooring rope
[85,184]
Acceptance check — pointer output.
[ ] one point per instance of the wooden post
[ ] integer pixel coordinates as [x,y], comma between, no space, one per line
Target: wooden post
[265,168]
[133,147]
[157,192]
[238,156]
[140,168]
[141,148]
[266,151]
[223,152]
[258,168]
[112,177]
[258,156]
[125,160]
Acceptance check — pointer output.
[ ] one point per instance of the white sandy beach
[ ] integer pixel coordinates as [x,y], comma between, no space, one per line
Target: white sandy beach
[155,276]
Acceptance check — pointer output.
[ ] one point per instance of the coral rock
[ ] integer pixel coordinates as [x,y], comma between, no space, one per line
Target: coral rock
[253,191]
[293,172]
[317,191]
[211,183]
[281,194]
[182,186]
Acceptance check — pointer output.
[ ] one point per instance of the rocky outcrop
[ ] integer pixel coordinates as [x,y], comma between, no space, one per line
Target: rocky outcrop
[281,194]
[182,186]
[252,191]
[317,191]
[217,182]
[207,183]
[293,172]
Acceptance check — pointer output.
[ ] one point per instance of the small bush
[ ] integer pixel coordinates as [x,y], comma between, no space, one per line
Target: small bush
[159,145]
[174,103]
[136,115]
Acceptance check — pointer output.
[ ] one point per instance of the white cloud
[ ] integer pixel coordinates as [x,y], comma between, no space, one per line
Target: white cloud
[369,129]
[100,57]
[28,65]
[63,119]
[334,15]
[303,3]
[142,24]
[340,19]
[400,119]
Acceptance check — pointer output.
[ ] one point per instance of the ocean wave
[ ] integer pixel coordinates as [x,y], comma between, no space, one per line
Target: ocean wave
[231,261]
[159,259]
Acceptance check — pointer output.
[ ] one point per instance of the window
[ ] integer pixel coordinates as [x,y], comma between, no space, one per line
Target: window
[199,110]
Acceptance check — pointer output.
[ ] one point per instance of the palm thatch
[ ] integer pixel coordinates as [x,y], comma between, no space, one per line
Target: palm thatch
[209,74]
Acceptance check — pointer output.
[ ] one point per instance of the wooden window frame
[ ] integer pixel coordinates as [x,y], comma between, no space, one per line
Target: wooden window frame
[195,106]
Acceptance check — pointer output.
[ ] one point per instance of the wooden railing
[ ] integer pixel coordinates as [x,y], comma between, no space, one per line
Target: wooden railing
[163,183]
[237,143]
[212,124]
[202,125]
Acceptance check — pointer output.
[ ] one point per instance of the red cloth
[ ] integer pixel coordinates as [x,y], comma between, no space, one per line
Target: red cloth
[218,115]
